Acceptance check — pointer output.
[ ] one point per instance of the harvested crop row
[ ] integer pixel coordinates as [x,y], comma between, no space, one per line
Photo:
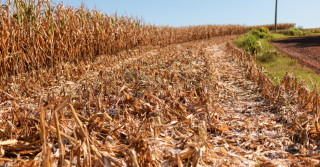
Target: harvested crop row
[297,106]
[146,111]
[183,104]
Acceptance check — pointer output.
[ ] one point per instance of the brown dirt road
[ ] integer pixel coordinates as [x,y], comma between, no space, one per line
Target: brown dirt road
[306,50]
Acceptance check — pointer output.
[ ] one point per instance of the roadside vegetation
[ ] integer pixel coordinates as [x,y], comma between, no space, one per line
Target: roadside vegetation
[258,43]
[294,32]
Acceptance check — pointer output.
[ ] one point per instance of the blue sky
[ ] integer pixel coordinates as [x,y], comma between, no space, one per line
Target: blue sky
[305,13]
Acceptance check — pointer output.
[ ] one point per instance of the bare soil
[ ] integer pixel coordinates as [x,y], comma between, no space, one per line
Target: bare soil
[306,50]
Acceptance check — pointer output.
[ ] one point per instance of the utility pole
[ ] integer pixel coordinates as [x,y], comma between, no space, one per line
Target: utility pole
[275,19]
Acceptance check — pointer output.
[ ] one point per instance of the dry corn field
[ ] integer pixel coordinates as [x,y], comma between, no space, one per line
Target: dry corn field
[79,88]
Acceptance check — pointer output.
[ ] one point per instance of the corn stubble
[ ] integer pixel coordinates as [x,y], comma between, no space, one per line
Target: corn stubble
[148,101]
[297,104]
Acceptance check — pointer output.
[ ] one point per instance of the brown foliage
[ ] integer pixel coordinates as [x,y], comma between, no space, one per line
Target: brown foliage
[37,35]
[150,106]
[147,109]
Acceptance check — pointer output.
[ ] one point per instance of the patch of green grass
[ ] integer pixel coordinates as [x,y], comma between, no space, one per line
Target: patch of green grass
[287,34]
[275,63]
[275,36]
[292,32]
[312,32]
[266,57]
[278,68]
[279,64]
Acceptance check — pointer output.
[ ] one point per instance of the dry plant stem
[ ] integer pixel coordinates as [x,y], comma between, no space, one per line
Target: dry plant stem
[89,151]
[179,161]
[71,157]
[8,142]
[133,156]
[196,156]
[46,162]
[62,150]
[83,132]
[57,124]
[63,135]
[6,159]
[97,153]
[109,159]
[8,95]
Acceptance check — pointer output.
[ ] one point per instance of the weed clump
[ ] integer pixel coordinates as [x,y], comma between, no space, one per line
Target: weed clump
[254,43]
[268,56]
[316,31]
[247,42]
[262,32]
[250,41]
[295,31]
[292,32]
